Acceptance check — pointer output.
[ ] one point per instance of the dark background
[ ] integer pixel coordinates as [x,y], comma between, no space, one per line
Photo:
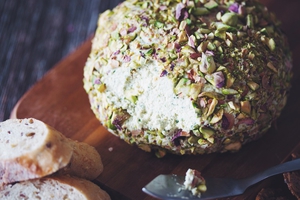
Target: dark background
[35,35]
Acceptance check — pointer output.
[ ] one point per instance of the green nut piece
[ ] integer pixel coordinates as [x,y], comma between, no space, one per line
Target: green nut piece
[229,91]
[215,95]
[109,125]
[217,117]
[193,140]
[101,88]
[207,134]
[212,107]
[182,37]
[221,26]
[272,67]
[211,5]
[271,44]
[220,34]
[202,188]
[200,11]
[230,19]
[195,89]
[253,86]
[207,64]
[246,107]
[250,21]
[182,87]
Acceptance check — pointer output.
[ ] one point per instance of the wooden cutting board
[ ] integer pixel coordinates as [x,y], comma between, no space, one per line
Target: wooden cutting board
[59,100]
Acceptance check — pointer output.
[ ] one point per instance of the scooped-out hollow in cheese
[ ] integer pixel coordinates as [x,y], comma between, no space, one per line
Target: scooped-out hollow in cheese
[157,106]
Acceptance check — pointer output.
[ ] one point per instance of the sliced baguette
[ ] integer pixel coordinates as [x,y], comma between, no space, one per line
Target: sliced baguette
[31,149]
[85,162]
[54,187]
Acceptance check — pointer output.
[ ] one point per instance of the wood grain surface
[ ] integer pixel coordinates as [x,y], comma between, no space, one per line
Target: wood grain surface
[59,100]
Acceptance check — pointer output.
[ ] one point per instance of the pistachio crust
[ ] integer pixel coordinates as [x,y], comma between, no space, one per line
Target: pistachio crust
[228,63]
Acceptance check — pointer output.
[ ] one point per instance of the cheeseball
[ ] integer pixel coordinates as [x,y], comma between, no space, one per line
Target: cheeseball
[188,77]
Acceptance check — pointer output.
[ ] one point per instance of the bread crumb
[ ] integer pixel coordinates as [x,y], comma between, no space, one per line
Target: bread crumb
[110,149]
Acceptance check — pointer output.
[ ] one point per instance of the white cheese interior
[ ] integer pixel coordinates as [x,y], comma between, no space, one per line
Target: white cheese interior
[19,137]
[157,106]
[41,189]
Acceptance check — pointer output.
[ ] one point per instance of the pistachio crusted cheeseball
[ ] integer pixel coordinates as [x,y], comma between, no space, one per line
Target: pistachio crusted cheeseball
[188,77]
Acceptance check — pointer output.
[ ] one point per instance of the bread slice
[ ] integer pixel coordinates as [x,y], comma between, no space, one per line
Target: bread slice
[31,149]
[85,162]
[54,187]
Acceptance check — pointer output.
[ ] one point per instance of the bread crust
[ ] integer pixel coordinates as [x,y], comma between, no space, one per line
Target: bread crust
[85,162]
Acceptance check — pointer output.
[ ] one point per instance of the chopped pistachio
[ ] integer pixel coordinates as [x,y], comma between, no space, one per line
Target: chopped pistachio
[197,132]
[202,188]
[241,34]
[228,42]
[212,107]
[193,140]
[133,99]
[211,5]
[202,141]
[217,117]
[250,22]
[269,30]
[200,11]
[218,16]
[182,87]
[215,95]
[251,55]
[202,47]
[254,86]
[182,37]
[101,87]
[272,67]
[109,125]
[210,36]
[207,64]
[158,24]
[221,26]
[195,89]
[211,46]
[207,134]
[271,44]
[229,91]
[217,79]
[246,107]
[187,49]
[182,25]
[220,34]
[230,19]
[204,30]
[172,55]
[149,51]
[234,106]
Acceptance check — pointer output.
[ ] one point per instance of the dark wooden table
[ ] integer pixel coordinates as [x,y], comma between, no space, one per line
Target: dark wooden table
[35,35]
